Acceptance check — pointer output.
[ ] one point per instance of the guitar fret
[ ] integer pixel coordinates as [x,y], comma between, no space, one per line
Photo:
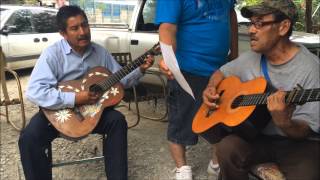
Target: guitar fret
[248,100]
[302,95]
[309,93]
[257,98]
[131,68]
[123,72]
[264,99]
[317,94]
[295,96]
[254,99]
[314,93]
[290,96]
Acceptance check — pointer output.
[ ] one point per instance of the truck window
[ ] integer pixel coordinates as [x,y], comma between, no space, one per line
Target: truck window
[147,16]
[20,22]
[44,21]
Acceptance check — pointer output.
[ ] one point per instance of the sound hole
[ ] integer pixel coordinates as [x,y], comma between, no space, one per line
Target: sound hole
[236,103]
[95,88]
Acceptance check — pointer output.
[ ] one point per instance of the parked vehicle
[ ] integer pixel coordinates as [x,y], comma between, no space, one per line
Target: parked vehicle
[119,26]
[128,26]
[25,32]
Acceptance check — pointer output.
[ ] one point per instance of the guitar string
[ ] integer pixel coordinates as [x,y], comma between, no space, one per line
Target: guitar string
[114,78]
[298,96]
[123,72]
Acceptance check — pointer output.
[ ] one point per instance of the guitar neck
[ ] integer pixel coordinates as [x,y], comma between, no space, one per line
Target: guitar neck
[117,76]
[292,97]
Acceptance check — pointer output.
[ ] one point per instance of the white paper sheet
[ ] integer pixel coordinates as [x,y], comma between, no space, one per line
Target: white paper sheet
[170,60]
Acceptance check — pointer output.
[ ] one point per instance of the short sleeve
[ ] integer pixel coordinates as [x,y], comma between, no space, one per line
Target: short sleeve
[168,11]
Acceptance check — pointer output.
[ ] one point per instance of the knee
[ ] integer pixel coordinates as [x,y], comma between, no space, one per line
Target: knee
[26,139]
[232,148]
[119,121]
[122,122]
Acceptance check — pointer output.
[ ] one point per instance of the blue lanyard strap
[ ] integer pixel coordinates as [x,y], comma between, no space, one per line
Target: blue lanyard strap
[264,68]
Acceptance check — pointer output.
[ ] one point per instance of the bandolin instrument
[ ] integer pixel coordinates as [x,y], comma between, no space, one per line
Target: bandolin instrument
[79,121]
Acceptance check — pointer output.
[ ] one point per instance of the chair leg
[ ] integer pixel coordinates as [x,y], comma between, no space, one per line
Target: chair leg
[161,118]
[19,101]
[164,91]
[137,108]
[15,101]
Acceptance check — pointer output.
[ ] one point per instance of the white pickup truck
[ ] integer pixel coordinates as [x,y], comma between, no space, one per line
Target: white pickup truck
[117,25]
[128,26]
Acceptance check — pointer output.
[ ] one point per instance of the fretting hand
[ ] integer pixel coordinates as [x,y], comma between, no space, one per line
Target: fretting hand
[148,62]
[280,111]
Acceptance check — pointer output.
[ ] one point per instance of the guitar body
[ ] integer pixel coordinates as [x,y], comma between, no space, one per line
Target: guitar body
[245,119]
[79,121]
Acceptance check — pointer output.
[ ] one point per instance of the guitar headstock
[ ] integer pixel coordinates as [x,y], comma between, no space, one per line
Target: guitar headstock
[155,50]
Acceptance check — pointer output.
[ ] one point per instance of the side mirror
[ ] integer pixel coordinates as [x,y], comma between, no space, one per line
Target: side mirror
[8,29]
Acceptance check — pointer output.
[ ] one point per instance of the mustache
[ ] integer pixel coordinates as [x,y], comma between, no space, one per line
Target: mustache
[253,37]
[83,37]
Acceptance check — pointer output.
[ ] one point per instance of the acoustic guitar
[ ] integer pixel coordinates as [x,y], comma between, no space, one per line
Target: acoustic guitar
[243,104]
[77,122]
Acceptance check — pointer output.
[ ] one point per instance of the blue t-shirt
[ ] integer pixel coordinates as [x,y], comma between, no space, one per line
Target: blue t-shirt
[203,32]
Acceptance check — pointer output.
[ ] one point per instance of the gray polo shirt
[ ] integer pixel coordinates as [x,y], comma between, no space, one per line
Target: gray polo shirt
[302,69]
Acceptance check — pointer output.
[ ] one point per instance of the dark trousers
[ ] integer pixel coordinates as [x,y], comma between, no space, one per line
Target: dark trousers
[298,160]
[36,138]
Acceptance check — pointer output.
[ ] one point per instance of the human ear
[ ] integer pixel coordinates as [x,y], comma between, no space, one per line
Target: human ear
[284,27]
[63,34]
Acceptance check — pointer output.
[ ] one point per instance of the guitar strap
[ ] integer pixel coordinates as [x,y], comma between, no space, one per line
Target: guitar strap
[264,67]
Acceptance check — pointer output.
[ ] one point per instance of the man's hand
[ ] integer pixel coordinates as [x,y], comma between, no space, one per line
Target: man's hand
[281,112]
[148,62]
[86,97]
[165,70]
[210,97]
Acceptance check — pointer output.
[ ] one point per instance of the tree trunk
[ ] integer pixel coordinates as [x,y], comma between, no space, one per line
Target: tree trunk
[308,15]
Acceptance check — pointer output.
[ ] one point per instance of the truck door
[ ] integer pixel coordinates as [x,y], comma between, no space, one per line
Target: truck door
[21,37]
[145,34]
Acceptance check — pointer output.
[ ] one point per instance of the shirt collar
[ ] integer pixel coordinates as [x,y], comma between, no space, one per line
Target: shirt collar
[68,49]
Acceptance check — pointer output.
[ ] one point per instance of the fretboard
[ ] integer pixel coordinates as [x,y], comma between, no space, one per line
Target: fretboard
[117,76]
[292,97]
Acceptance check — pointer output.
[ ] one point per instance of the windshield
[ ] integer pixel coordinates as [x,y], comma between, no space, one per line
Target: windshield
[3,14]
[107,12]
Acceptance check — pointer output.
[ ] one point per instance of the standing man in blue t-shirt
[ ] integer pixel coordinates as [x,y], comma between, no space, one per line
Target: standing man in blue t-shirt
[201,32]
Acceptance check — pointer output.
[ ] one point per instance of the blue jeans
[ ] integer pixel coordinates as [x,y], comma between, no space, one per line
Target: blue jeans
[182,108]
[36,138]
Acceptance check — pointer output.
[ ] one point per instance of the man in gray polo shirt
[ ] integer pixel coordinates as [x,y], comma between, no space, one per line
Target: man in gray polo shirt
[285,139]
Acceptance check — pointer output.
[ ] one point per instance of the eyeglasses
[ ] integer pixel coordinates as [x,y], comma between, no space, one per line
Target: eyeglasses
[260,24]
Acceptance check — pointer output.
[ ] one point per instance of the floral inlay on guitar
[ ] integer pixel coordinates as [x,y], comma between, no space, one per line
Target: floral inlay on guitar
[79,121]
[64,115]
